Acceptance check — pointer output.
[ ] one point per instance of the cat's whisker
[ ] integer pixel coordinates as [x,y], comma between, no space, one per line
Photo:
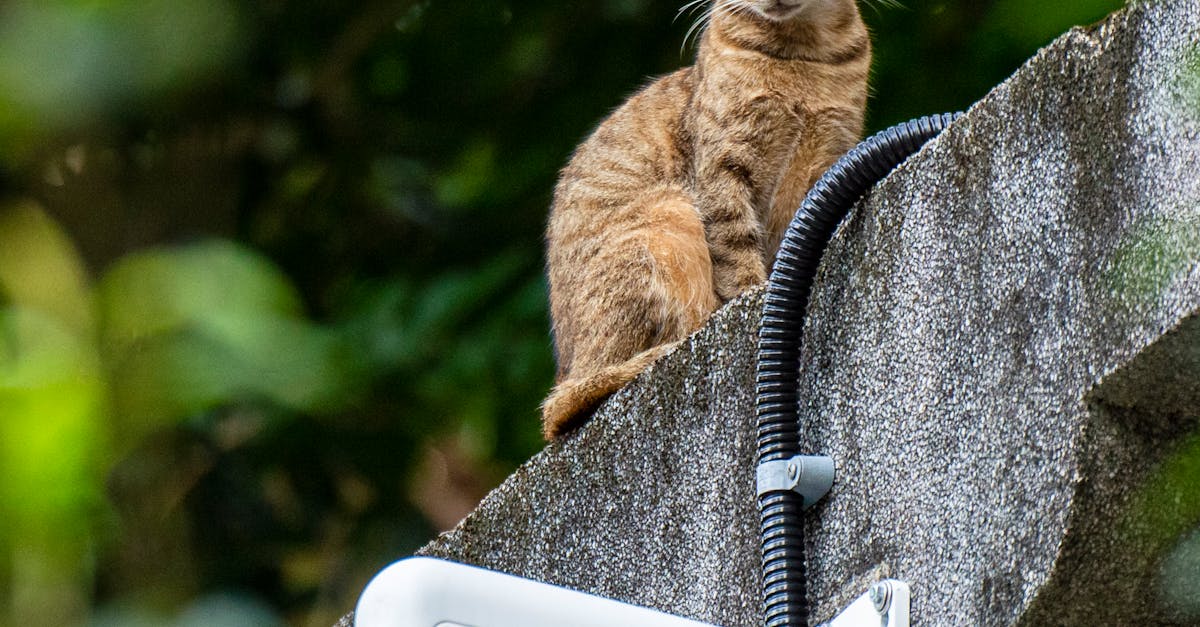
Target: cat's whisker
[878,5]
[734,7]
[728,7]
[691,7]
[696,28]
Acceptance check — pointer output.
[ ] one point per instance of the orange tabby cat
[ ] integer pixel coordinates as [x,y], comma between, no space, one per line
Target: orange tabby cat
[679,200]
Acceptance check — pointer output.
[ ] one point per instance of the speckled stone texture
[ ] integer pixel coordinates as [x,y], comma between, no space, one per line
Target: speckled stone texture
[1002,354]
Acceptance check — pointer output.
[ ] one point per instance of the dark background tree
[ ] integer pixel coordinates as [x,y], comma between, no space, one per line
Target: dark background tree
[271,293]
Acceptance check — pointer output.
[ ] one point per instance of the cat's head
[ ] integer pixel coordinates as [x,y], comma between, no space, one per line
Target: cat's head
[780,10]
[788,28]
[813,12]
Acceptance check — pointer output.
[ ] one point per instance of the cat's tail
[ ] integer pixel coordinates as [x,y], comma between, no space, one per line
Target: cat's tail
[573,400]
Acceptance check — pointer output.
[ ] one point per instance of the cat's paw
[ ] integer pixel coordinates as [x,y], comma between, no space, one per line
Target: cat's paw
[736,283]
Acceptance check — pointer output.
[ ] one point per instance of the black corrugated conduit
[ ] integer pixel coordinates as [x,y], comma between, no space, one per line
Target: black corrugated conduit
[777,400]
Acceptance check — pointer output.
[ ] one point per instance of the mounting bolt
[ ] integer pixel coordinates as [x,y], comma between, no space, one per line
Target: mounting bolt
[881,597]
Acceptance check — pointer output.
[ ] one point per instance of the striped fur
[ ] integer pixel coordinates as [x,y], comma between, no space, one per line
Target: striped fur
[679,200]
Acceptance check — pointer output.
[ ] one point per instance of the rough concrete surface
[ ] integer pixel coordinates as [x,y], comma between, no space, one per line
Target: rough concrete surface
[1002,355]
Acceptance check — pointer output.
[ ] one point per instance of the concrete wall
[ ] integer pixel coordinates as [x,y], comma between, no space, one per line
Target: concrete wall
[1002,354]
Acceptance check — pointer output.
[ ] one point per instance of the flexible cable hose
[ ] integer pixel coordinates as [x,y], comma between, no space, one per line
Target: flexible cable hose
[777,400]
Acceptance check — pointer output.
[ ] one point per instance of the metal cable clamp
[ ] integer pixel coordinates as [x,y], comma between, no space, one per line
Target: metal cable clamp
[809,476]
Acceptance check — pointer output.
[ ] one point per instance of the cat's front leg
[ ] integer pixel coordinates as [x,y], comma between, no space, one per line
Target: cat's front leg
[743,145]
[735,237]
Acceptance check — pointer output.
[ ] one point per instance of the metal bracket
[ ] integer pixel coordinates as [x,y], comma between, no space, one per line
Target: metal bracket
[887,604]
[809,476]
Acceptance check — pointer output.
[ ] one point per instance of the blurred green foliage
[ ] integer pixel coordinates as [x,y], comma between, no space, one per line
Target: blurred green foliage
[1179,583]
[271,298]
[1153,256]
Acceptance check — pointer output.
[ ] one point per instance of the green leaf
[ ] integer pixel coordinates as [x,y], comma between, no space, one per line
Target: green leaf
[53,449]
[191,329]
[40,268]
[166,290]
[230,359]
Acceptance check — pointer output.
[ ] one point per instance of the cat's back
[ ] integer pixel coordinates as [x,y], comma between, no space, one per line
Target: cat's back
[643,144]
